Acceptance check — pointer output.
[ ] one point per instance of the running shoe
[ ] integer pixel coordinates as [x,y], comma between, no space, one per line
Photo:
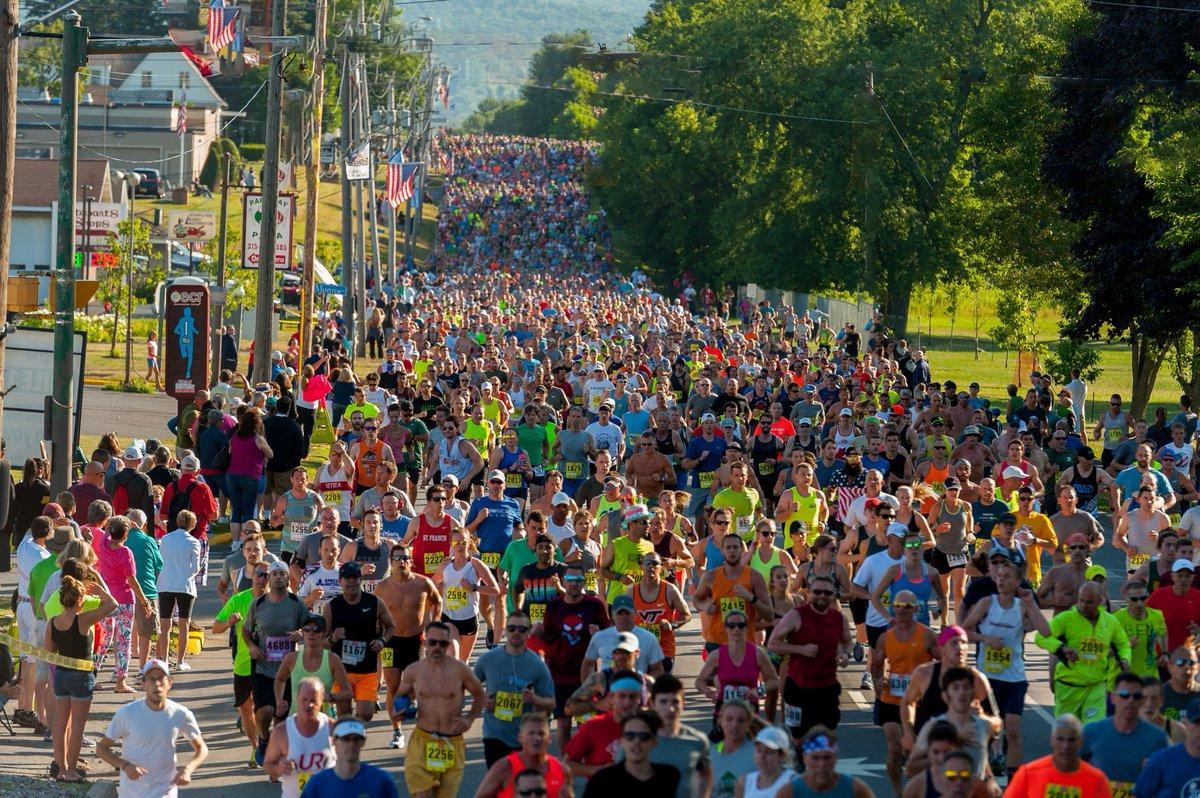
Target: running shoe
[859,653]
[183,666]
[397,740]
[867,682]
[253,762]
[260,751]
[489,639]
[997,762]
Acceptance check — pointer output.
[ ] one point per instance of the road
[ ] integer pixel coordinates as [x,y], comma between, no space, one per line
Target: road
[130,415]
[207,691]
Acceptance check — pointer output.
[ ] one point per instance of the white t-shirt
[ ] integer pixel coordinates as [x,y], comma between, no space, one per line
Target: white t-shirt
[377,397]
[856,516]
[604,642]
[147,739]
[594,390]
[1190,523]
[607,436]
[1183,455]
[324,578]
[868,576]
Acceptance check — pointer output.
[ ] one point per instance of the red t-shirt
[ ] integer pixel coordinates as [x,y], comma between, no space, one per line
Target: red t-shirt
[1178,611]
[596,741]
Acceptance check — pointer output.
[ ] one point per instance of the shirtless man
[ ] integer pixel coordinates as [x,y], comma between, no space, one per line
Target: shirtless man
[412,600]
[649,470]
[1060,586]
[434,763]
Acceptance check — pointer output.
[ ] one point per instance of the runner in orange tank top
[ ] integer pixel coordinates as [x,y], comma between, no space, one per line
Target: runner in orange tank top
[368,453]
[659,606]
[902,648]
[731,586]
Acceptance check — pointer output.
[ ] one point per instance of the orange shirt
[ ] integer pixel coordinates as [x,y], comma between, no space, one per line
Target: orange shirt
[902,659]
[1040,779]
[364,465]
[649,613]
[724,598]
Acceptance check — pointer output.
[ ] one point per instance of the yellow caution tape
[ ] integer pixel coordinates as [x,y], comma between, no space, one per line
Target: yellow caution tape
[46,656]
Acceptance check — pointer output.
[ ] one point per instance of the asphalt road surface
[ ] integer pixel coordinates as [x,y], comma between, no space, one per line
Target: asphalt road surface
[207,691]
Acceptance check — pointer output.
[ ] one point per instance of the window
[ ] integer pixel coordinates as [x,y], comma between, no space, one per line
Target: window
[146,78]
[183,80]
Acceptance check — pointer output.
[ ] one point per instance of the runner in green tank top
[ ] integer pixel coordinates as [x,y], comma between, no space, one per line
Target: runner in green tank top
[321,664]
[621,560]
[764,555]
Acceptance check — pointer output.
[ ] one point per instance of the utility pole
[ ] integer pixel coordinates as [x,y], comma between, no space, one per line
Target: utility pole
[218,296]
[76,47]
[362,137]
[871,198]
[270,201]
[419,136]
[391,148]
[369,187]
[349,270]
[9,17]
[313,182]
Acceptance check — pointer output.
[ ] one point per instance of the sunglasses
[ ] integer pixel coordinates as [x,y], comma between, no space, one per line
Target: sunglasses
[719,523]
[370,429]
[532,792]
[438,643]
[261,575]
[401,557]
[1127,694]
[888,517]
[1137,598]
[735,624]
[1184,663]
[574,579]
[1078,548]
[821,592]
[512,627]
[495,482]
[313,631]
[957,775]
[904,605]
[1024,498]
[641,737]
[914,545]
[652,562]
[1060,437]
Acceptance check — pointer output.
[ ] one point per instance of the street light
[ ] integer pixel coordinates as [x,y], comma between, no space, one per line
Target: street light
[131,179]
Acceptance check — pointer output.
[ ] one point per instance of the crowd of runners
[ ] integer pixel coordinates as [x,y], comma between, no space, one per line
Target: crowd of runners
[553,470]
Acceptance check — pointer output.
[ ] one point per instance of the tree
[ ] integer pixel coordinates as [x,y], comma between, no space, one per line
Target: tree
[882,146]
[113,285]
[494,115]
[1127,67]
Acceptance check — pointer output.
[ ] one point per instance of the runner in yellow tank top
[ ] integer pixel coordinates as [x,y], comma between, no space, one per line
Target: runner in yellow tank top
[805,504]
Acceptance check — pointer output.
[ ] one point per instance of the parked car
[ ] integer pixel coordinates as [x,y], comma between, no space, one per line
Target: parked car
[153,184]
[185,260]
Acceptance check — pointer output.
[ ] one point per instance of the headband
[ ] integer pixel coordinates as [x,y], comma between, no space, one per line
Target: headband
[626,684]
[821,744]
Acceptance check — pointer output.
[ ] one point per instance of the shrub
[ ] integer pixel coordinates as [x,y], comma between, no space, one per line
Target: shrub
[253,152]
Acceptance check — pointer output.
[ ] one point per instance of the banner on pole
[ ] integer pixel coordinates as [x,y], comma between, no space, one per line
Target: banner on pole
[252,205]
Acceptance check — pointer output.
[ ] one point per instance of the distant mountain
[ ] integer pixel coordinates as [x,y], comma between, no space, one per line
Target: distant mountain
[492,70]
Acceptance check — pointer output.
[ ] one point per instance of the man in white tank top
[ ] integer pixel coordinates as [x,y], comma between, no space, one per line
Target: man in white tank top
[301,747]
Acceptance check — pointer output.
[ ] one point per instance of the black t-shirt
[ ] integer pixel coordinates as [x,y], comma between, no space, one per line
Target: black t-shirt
[539,585]
[162,475]
[615,780]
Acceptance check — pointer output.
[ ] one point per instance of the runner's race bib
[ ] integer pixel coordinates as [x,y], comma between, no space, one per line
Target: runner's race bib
[734,692]
[706,478]
[439,756]
[1091,648]
[387,657]
[1137,560]
[353,651]
[591,583]
[791,715]
[490,558]
[766,468]
[513,480]
[1062,791]
[1120,789]
[301,780]
[572,470]
[332,497]
[997,660]
[744,524]
[297,531]
[956,560]
[432,560]
[898,683]
[537,612]
[508,706]
[277,648]
[729,604]
[456,598]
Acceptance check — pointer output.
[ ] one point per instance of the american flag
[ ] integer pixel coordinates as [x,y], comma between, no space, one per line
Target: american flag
[443,91]
[181,121]
[446,161]
[401,178]
[222,24]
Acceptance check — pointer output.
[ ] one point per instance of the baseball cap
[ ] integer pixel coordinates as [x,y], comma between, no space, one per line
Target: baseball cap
[846,412]
[707,417]
[1013,472]
[190,463]
[132,453]
[277,355]
[774,738]
[1007,518]
[897,530]
[349,727]
[971,429]
[627,641]
[153,663]
[350,569]
[314,618]
[1093,571]
[622,602]
[1183,564]
[277,565]
[805,421]
[560,498]
[496,474]
[1077,538]
[453,480]
[951,482]
[728,423]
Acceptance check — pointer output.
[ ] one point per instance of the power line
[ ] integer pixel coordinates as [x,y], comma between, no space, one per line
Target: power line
[903,143]
[1143,7]
[169,159]
[714,106]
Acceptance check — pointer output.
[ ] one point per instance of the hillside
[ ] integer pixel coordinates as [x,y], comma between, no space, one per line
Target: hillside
[490,70]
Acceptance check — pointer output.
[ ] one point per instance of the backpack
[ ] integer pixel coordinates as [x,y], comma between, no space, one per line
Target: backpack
[120,497]
[180,500]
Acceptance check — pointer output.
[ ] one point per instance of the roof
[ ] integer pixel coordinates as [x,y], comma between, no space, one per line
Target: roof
[35,180]
[122,65]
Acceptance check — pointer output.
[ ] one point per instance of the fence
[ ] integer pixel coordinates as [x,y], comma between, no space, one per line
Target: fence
[838,311]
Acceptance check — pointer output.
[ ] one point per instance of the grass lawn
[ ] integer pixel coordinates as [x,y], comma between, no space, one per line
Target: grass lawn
[954,357]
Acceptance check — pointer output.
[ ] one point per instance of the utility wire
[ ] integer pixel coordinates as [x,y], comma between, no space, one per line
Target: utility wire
[903,143]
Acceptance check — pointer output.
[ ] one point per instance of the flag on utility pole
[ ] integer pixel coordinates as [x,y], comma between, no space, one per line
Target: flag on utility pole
[222,24]
[443,90]
[401,177]
[181,121]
